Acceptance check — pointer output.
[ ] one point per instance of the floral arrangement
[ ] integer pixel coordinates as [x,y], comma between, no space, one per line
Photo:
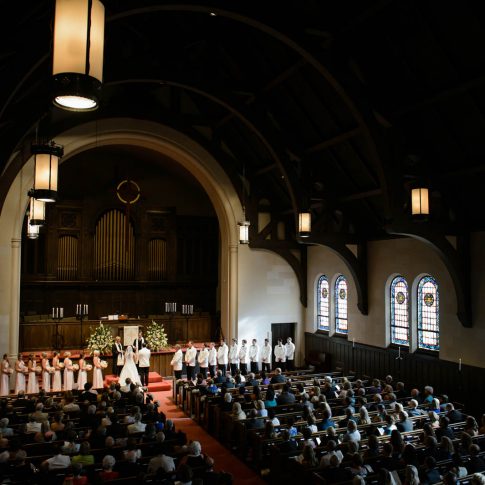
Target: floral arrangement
[60,365]
[38,369]
[103,364]
[156,337]
[88,367]
[51,370]
[100,339]
[75,367]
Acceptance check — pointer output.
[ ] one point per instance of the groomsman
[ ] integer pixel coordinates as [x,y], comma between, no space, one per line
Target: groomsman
[144,364]
[290,354]
[177,362]
[223,357]
[243,358]
[117,353]
[280,355]
[253,356]
[190,360]
[266,356]
[233,356]
[212,359]
[203,360]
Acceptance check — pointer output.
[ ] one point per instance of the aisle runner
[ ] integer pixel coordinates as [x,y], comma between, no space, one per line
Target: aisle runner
[223,458]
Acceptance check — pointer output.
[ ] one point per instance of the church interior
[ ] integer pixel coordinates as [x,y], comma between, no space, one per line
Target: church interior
[251,170]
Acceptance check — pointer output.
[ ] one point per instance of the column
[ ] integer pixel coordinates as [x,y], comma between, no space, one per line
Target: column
[14,298]
[233,291]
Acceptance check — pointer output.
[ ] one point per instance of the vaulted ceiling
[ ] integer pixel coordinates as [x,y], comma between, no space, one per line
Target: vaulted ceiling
[339,106]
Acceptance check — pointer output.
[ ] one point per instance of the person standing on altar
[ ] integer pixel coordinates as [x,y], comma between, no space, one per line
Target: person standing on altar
[266,356]
[138,341]
[68,372]
[190,360]
[57,380]
[97,371]
[82,376]
[6,372]
[203,360]
[234,357]
[223,357]
[290,354]
[32,384]
[144,364]
[212,359]
[118,356]
[280,355]
[177,362]
[46,376]
[21,370]
[253,356]
[243,358]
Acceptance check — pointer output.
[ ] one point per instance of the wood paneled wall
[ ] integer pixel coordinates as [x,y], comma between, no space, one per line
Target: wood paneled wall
[40,335]
[416,369]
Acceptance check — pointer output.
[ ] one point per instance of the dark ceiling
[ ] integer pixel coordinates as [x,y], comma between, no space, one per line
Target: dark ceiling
[339,105]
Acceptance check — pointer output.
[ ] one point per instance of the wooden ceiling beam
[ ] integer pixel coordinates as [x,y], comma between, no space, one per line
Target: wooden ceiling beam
[333,141]
[361,195]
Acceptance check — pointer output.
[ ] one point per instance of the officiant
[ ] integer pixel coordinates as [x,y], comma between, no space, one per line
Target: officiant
[137,345]
[118,356]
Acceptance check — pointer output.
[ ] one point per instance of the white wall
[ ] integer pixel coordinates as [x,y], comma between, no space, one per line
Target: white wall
[268,293]
[409,258]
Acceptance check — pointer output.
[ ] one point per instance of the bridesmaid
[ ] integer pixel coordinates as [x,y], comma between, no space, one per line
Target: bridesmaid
[68,372]
[97,372]
[32,385]
[21,370]
[82,377]
[5,382]
[57,381]
[46,377]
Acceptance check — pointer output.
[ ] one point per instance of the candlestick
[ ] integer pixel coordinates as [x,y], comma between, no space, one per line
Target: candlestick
[459,365]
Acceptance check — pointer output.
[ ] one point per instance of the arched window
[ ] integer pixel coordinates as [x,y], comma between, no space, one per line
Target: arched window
[341,323]
[428,314]
[399,311]
[323,307]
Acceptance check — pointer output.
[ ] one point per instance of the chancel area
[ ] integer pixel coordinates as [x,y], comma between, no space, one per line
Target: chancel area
[269,217]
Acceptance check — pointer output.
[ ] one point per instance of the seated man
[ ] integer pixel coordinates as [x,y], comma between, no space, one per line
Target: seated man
[58,461]
[278,378]
[286,397]
[404,424]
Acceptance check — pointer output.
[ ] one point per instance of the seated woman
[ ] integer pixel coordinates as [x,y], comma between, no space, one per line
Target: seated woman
[237,412]
[308,440]
[85,457]
[195,458]
[260,408]
[270,400]
[107,473]
[471,426]
[307,458]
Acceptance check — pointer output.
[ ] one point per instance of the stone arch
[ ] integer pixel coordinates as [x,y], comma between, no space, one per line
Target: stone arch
[122,131]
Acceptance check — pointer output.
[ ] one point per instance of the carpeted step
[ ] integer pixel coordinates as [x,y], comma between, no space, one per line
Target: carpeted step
[159,386]
[154,377]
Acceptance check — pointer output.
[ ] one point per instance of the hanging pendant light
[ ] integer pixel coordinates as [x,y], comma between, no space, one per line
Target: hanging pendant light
[46,163]
[36,212]
[32,230]
[78,54]
[420,202]
[304,224]
[244,231]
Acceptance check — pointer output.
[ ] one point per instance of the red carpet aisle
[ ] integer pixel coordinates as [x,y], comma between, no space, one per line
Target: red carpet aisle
[223,458]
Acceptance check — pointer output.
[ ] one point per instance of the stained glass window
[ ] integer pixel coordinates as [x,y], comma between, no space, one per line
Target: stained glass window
[399,311]
[341,324]
[428,314]
[323,314]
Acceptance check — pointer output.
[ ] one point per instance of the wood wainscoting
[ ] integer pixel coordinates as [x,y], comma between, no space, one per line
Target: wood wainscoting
[415,369]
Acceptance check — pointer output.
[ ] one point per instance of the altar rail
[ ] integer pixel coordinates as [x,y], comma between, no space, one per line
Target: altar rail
[41,334]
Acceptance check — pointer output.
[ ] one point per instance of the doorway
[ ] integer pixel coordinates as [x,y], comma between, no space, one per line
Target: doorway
[281,331]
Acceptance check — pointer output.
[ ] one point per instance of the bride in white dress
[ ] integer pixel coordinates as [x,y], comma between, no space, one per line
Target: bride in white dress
[129,369]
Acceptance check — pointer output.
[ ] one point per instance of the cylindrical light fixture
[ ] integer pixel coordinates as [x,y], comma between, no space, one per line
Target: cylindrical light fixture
[419,202]
[244,232]
[304,224]
[46,162]
[36,212]
[32,230]
[78,54]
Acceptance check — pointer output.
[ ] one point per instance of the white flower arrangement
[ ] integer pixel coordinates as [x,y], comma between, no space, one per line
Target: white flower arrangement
[156,337]
[100,339]
[103,364]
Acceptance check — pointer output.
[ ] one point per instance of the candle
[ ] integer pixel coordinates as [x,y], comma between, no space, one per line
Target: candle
[459,365]
[61,313]
[53,315]
[175,307]
[353,342]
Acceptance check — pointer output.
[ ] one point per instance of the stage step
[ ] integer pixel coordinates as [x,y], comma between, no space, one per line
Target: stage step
[155,382]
